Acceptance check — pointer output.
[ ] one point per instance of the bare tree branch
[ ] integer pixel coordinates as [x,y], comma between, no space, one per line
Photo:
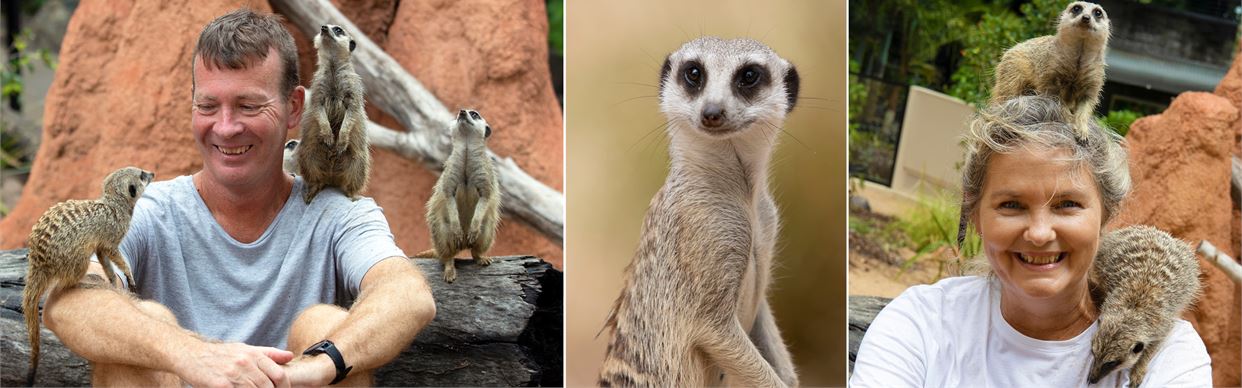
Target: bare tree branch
[391,89]
[1221,260]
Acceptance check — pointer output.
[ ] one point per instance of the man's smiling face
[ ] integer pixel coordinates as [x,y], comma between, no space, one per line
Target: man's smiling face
[240,120]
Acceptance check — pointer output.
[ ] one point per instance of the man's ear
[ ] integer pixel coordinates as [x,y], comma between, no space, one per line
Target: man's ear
[297,102]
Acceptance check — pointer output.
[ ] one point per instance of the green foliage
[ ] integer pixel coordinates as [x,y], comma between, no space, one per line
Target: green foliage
[858,95]
[556,26]
[991,36]
[24,61]
[931,229]
[1120,120]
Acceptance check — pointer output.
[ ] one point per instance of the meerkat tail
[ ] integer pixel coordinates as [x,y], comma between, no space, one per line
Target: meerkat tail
[36,285]
[427,254]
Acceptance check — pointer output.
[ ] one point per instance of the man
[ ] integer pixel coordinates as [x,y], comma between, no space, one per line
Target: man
[234,255]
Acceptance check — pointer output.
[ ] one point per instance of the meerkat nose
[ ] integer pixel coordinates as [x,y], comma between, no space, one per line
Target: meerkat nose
[461,115]
[713,116]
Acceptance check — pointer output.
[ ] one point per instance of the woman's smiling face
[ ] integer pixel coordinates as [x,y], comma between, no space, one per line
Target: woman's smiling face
[1040,217]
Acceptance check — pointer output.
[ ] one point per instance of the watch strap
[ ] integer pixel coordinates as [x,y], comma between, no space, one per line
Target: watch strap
[329,348]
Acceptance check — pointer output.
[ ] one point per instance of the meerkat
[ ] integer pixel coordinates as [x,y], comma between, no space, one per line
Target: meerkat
[464,209]
[62,241]
[333,150]
[290,164]
[1146,278]
[1068,65]
[694,309]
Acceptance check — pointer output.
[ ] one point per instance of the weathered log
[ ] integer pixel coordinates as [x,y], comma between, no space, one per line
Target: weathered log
[496,325]
[1221,260]
[862,310]
[427,140]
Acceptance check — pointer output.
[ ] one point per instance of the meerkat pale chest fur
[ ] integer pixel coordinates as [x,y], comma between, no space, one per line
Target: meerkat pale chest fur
[65,237]
[694,305]
[334,150]
[1147,279]
[464,209]
[1068,65]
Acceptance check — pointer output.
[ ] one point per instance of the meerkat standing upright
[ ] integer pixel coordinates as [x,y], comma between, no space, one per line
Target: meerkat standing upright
[62,241]
[464,209]
[334,149]
[695,295]
[1147,278]
[1068,65]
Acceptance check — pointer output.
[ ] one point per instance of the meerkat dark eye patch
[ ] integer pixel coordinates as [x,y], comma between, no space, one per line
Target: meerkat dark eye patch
[792,83]
[338,31]
[693,77]
[749,79]
[1077,9]
[1138,347]
[474,115]
[1098,13]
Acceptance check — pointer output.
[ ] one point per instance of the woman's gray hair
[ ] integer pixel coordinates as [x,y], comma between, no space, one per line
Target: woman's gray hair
[1036,122]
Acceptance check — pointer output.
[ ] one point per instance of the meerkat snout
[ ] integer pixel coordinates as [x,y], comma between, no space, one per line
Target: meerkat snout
[713,116]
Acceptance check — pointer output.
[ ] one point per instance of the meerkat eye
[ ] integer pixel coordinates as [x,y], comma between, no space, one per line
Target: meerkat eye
[694,75]
[1076,9]
[1098,13]
[474,115]
[1138,347]
[749,78]
[338,31]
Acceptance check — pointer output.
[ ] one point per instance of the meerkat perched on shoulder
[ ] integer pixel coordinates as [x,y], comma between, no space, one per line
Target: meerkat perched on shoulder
[1147,278]
[62,241]
[334,149]
[464,209]
[694,302]
[1068,65]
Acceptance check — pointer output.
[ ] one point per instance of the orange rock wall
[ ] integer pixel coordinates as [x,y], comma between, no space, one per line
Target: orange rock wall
[122,97]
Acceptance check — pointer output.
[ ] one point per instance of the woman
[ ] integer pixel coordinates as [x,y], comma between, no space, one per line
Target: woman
[1040,197]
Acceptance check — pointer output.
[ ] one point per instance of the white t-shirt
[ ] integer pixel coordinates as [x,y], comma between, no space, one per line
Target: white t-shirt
[951,334]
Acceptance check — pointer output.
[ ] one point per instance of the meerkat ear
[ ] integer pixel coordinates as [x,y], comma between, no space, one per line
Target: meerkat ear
[487,131]
[792,83]
[352,45]
[133,191]
[668,66]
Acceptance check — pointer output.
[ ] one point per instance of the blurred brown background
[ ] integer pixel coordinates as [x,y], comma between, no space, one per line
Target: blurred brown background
[617,159]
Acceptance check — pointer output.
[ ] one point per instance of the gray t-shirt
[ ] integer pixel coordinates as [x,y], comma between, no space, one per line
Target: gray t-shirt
[250,293]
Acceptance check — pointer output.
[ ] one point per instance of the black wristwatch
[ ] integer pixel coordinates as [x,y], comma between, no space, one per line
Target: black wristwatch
[328,347]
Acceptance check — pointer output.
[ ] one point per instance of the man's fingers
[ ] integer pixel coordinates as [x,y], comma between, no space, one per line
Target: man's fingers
[275,374]
[280,356]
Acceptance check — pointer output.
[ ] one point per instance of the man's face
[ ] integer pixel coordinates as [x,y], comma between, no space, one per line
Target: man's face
[240,120]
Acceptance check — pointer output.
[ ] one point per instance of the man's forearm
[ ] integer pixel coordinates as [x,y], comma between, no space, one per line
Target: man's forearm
[105,326]
[394,306]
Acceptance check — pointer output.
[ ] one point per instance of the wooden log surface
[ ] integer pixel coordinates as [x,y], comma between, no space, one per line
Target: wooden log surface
[862,310]
[498,325]
[427,139]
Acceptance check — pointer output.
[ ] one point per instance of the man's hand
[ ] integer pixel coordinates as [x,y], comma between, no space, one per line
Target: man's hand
[310,371]
[234,365]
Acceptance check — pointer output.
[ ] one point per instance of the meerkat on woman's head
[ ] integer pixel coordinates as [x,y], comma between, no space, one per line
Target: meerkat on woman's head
[464,209]
[694,307]
[1068,66]
[334,150]
[65,237]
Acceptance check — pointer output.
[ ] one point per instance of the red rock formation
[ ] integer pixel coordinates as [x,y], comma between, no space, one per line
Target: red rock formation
[122,96]
[1180,163]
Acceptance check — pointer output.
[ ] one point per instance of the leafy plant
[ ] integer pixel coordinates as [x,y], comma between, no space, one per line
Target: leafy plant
[1120,120]
[931,229]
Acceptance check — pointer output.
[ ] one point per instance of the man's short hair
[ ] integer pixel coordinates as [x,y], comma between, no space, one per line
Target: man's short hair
[243,38]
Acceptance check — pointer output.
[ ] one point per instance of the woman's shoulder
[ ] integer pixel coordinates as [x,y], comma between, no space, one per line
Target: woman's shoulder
[948,293]
[1182,359]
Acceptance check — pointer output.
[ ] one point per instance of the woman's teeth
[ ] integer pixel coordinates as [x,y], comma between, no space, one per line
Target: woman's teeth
[1041,259]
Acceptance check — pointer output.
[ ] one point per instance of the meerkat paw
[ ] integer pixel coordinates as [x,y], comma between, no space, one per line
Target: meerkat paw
[450,273]
[473,234]
[483,260]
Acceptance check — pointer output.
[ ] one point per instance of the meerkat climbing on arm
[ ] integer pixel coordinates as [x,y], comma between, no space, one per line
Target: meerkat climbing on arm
[1147,279]
[694,302]
[65,237]
[1068,66]
[334,150]
[464,209]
